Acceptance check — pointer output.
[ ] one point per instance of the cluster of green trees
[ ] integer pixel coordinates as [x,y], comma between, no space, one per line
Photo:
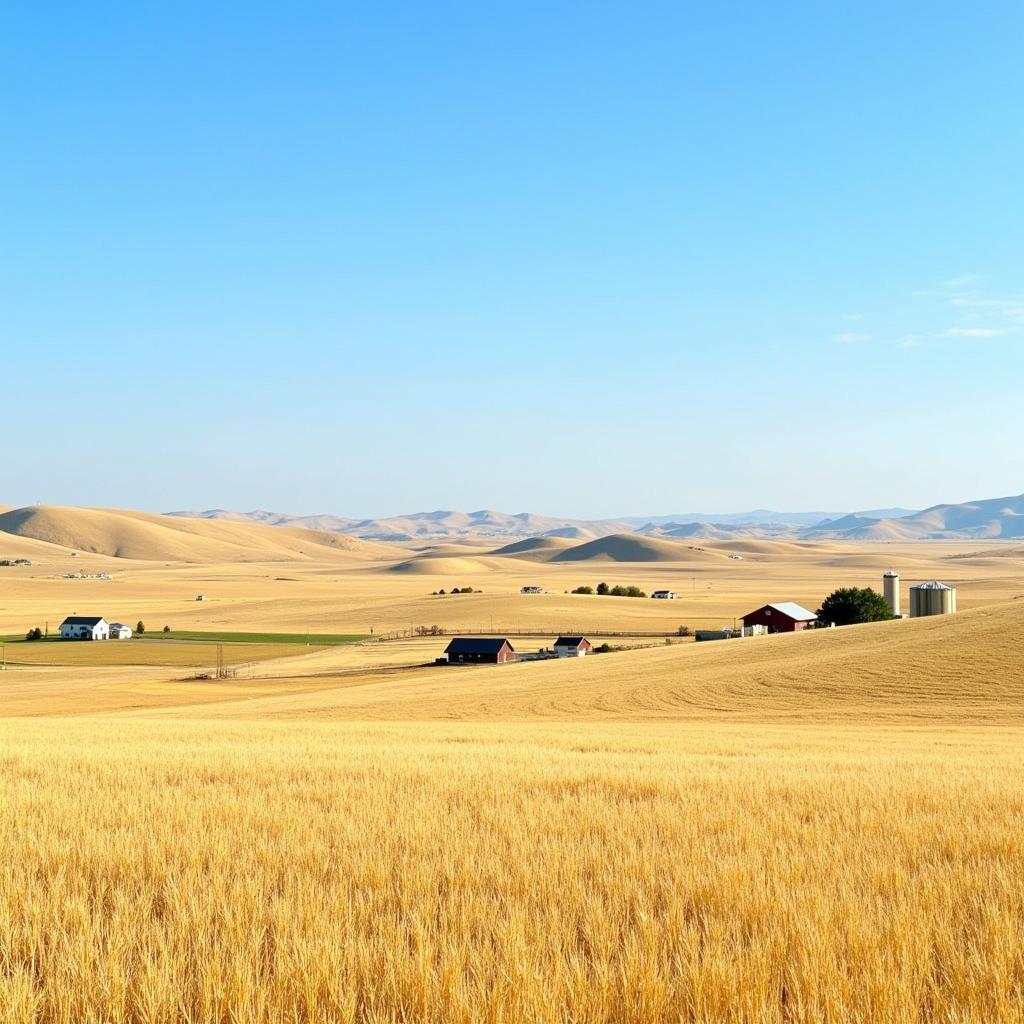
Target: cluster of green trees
[456,590]
[849,605]
[620,591]
[34,634]
[617,591]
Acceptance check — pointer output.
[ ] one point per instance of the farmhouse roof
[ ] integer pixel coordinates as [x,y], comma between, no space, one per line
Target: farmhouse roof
[570,641]
[83,620]
[795,611]
[476,645]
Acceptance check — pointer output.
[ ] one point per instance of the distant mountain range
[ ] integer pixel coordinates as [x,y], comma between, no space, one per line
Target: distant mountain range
[992,518]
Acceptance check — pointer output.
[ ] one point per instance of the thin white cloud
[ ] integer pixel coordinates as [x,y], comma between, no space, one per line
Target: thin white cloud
[964,281]
[975,332]
[959,308]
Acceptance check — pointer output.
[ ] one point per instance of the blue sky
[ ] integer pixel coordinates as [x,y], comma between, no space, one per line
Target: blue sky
[587,259]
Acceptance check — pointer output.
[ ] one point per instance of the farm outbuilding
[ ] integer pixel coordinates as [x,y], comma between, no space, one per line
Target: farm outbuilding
[119,631]
[664,595]
[785,617]
[85,627]
[477,650]
[573,646]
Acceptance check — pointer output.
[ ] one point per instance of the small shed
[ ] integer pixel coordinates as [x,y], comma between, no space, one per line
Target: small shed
[477,650]
[119,631]
[573,646]
[785,617]
[85,627]
[664,595]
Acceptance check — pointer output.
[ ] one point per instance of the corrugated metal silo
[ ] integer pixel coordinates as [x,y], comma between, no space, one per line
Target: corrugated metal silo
[932,598]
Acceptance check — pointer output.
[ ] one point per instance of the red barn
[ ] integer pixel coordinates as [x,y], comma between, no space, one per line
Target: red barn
[786,617]
[477,650]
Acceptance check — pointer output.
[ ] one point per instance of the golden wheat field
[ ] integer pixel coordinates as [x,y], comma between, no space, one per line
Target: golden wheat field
[820,827]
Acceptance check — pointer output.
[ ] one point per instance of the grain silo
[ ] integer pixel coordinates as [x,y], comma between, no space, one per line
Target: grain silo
[891,590]
[932,598]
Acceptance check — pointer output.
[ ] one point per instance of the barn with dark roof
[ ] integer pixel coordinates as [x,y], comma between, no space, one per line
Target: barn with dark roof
[85,627]
[479,650]
[572,646]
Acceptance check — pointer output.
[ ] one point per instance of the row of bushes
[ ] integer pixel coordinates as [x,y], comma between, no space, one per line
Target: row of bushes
[617,591]
[455,590]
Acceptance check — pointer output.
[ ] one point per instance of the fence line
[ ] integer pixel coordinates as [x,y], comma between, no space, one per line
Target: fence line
[413,633]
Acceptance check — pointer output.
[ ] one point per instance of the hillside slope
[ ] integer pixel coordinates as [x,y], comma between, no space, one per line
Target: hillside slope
[631,547]
[986,519]
[140,535]
[960,669]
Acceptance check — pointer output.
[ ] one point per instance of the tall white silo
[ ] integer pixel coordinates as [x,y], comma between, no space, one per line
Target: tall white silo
[891,591]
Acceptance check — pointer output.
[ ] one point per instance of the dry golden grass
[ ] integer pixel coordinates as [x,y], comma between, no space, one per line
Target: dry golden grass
[171,653]
[168,871]
[793,829]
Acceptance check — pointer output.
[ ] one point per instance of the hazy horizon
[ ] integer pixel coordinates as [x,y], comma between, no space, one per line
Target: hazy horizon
[705,513]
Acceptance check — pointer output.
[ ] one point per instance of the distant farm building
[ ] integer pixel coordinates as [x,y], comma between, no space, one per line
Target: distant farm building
[786,617]
[664,595]
[119,631]
[932,598]
[476,650]
[532,590]
[573,646]
[200,597]
[85,627]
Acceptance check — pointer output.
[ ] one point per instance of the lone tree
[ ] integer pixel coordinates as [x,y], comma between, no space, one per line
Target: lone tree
[848,605]
[140,627]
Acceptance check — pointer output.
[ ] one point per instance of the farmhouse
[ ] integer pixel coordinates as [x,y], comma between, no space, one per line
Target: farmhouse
[532,590]
[664,595]
[119,631]
[476,650]
[573,646]
[786,617]
[85,627]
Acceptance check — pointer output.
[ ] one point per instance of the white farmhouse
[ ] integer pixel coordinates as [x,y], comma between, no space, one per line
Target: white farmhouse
[119,631]
[572,646]
[85,627]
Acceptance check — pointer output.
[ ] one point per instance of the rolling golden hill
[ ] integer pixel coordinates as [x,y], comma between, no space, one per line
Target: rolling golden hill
[541,549]
[140,535]
[629,547]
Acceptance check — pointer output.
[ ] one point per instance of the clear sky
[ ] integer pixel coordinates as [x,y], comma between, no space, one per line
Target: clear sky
[586,259]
